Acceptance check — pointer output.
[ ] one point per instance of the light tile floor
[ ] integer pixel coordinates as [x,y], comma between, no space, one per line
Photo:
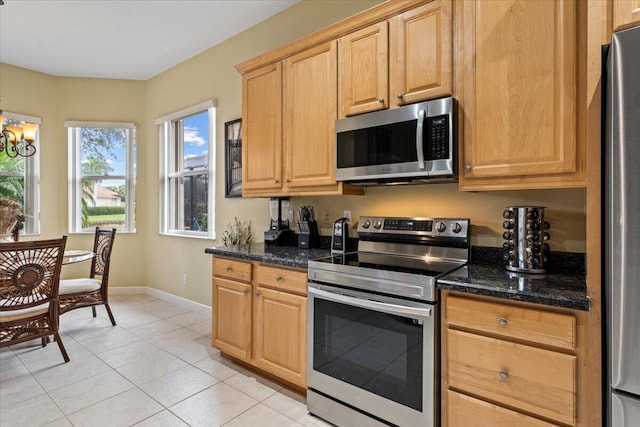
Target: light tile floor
[155,368]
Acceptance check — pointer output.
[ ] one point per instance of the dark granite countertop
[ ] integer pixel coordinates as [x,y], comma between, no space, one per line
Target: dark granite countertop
[558,288]
[290,256]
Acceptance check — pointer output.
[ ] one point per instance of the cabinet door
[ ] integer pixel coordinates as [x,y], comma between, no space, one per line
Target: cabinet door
[421,54]
[310,113]
[364,70]
[280,334]
[232,317]
[519,79]
[626,13]
[262,128]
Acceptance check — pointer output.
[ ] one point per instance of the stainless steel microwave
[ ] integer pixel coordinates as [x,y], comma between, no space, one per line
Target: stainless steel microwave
[414,142]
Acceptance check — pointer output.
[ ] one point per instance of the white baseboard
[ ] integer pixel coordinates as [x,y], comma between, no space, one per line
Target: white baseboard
[165,296]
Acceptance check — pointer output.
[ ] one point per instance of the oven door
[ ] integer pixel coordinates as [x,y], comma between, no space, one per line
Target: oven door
[374,353]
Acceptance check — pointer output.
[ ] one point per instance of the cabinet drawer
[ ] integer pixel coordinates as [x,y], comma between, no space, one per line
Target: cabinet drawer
[230,269]
[463,410]
[536,326]
[283,279]
[538,381]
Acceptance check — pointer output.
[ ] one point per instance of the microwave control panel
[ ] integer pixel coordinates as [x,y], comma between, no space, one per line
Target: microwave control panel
[439,135]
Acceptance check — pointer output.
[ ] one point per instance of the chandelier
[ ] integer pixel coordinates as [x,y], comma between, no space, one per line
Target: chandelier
[18,140]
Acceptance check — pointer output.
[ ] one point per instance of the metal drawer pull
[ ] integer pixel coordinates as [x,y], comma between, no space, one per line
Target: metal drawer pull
[502,321]
[278,278]
[246,291]
[504,375]
[228,268]
[258,293]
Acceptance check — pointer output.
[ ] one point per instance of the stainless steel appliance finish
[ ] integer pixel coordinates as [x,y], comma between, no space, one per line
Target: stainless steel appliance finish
[622,228]
[340,235]
[526,233]
[373,322]
[414,142]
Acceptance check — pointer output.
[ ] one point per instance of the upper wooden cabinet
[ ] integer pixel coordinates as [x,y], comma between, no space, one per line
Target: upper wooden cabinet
[262,123]
[421,55]
[310,116]
[289,114]
[626,13]
[364,76]
[403,60]
[519,77]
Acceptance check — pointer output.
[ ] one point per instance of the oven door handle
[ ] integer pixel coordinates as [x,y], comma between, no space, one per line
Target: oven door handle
[356,299]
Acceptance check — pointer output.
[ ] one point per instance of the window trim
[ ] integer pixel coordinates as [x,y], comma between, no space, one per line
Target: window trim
[166,141]
[76,176]
[31,177]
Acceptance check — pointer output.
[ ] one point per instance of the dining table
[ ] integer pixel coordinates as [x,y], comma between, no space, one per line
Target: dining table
[74,256]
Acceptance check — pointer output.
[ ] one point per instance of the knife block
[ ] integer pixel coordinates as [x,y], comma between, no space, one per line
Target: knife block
[309,236]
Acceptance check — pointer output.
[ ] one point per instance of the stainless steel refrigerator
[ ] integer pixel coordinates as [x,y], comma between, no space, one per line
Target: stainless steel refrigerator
[621,238]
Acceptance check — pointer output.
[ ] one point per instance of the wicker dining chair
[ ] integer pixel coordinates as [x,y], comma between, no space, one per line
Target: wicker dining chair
[29,285]
[93,290]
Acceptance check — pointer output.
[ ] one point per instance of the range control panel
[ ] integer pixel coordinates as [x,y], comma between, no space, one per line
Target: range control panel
[435,227]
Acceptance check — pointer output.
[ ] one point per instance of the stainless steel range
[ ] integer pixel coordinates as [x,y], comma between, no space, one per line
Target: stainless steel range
[373,339]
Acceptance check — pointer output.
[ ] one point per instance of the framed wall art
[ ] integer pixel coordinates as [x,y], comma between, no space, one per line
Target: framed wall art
[233,158]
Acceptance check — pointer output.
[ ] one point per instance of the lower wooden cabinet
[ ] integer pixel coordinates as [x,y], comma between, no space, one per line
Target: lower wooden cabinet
[505,364]
[260,316]
[232,318]
[463,410]
[279,334]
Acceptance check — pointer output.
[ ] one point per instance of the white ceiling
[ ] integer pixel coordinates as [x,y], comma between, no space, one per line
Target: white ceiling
[121,39]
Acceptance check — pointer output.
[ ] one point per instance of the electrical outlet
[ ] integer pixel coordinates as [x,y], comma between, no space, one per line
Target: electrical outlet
[347,214]
[326,218]
[185,279]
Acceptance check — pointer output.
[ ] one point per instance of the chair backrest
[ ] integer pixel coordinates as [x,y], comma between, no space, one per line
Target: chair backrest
[30,273]
[102,245]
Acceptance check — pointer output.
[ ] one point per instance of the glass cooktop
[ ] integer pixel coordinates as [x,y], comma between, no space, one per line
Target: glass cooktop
[403,264]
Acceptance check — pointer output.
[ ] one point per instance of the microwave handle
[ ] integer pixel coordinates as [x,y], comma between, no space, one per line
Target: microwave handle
[419,142]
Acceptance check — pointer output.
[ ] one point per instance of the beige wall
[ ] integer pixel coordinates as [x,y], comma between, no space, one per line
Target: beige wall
[148,259]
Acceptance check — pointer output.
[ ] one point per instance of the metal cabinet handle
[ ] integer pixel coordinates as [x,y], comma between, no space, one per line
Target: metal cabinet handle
[287,180]
[400,95]
[246,291]
[228,268]
[278,278]
[504,375]
[277,181]
[502,321]
[467,168]
[258,293]
[381,100]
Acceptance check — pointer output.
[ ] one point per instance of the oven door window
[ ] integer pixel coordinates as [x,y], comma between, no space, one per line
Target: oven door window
[374,351]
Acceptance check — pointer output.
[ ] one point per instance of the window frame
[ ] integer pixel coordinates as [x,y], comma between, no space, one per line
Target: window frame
[31,177]
[74,129]
[170,151]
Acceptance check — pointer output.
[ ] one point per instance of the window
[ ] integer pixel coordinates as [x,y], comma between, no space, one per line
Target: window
[20,177]
[187,171]
[101,176]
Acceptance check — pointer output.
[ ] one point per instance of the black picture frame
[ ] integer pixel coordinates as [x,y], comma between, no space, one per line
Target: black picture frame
[233,158]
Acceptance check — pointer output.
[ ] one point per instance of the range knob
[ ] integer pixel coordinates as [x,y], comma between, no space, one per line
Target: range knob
[365,223]
[441,227]
[377,224]
[456,228]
